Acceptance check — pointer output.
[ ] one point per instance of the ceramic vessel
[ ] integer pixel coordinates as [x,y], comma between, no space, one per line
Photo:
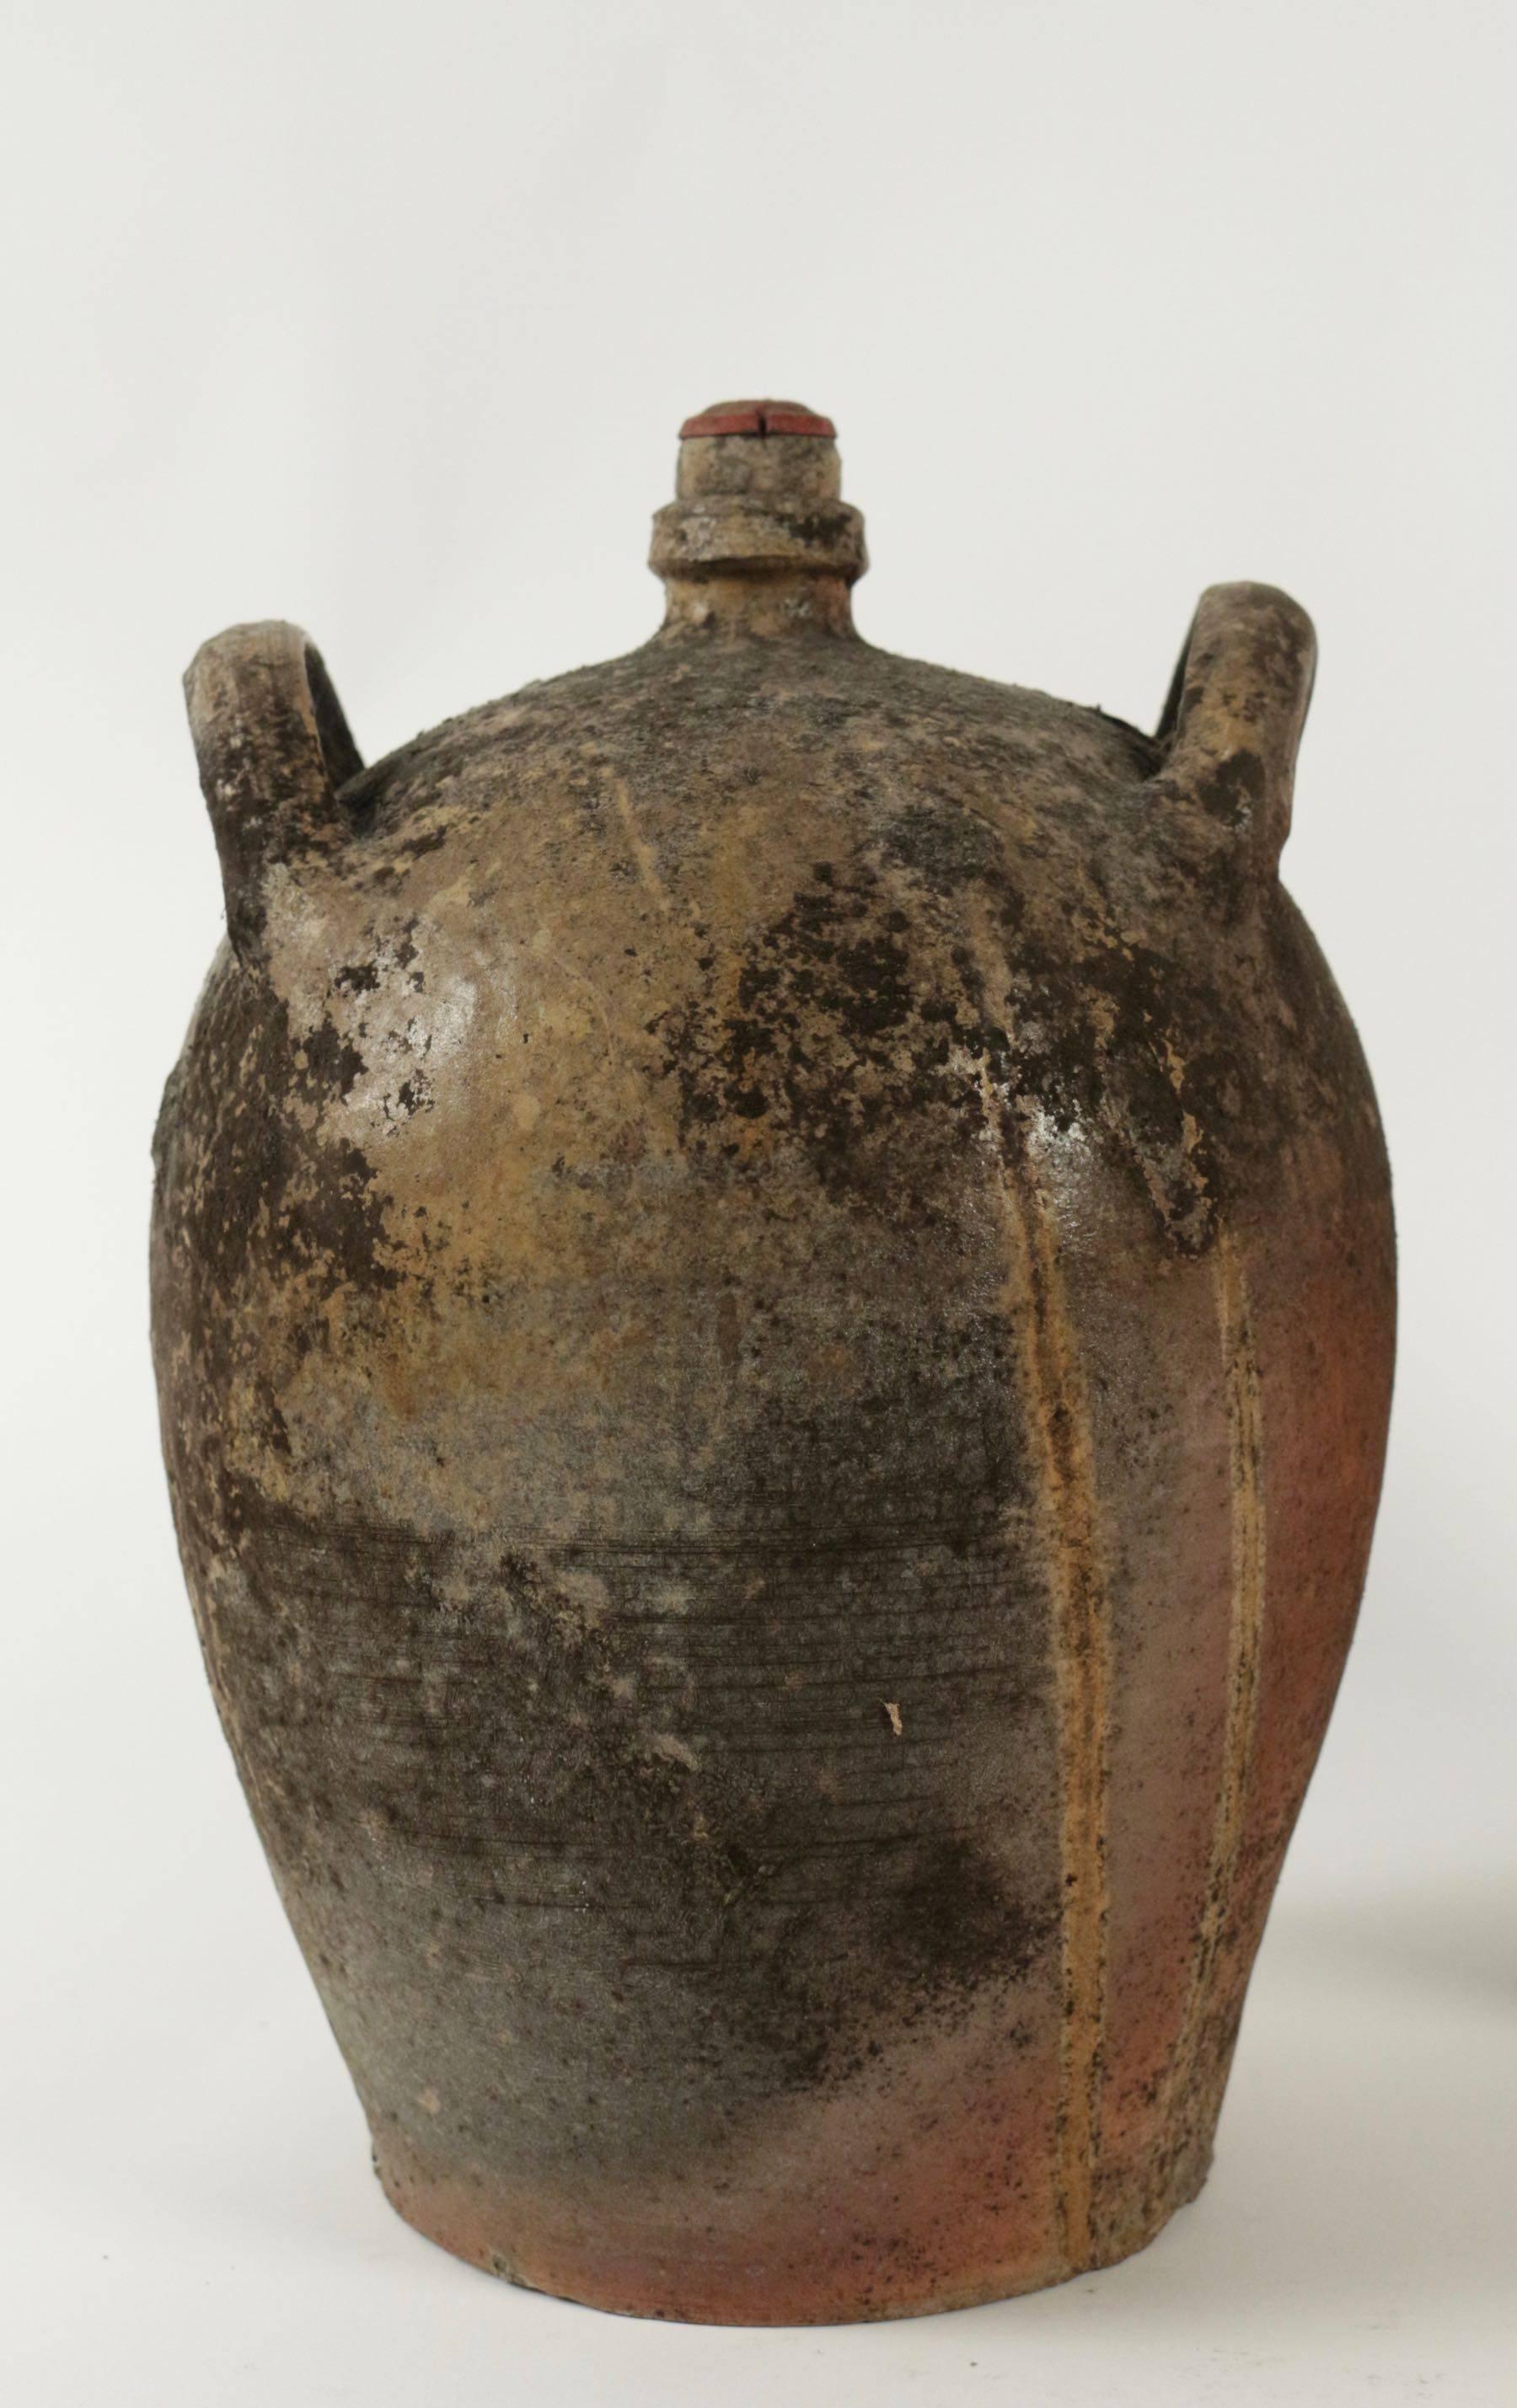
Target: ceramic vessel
[772,1282]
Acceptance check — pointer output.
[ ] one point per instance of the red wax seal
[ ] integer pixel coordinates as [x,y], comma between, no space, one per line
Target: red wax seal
[757,418]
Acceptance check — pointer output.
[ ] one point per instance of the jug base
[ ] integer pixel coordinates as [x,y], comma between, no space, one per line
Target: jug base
[733,2295]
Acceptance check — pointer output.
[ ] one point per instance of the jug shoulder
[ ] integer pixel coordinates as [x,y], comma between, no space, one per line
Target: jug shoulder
[692,728]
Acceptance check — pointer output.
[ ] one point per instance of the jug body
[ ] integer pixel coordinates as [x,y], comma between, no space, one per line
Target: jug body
[773,1293]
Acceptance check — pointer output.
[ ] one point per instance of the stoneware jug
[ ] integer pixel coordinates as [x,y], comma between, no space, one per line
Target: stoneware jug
[773,1285]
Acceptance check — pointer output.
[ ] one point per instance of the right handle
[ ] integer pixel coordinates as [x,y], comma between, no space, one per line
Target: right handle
[1233,722]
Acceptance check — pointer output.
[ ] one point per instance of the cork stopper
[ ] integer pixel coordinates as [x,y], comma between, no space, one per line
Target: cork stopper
[758,499]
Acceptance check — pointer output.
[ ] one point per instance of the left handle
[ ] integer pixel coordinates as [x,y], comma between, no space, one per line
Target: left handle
[274,751]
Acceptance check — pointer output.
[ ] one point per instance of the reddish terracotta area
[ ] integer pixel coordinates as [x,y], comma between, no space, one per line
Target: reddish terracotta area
[900,2205]
[1325,1355]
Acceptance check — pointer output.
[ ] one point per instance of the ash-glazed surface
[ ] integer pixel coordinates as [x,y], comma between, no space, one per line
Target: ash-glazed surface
[772,1304]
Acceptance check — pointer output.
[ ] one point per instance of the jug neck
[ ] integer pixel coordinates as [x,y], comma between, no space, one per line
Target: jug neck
[757,541]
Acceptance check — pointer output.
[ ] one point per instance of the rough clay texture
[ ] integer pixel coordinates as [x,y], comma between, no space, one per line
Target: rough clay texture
[773,1293]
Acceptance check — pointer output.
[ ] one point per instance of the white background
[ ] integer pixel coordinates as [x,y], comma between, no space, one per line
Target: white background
[383,320]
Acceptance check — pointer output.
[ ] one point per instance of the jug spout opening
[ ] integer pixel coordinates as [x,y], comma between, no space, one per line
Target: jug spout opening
[757,539]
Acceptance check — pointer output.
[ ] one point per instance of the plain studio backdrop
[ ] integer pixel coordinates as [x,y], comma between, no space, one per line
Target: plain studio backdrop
[383,320]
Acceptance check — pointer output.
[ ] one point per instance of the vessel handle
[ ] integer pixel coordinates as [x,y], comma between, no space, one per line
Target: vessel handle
[1232,724]
[273,749]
